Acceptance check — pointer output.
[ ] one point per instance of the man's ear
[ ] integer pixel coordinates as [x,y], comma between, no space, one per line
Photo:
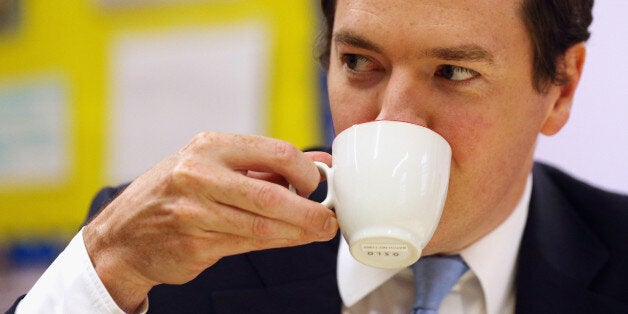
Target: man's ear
[570,65]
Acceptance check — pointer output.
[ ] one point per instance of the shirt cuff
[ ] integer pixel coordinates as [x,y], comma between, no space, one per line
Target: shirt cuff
[71,285]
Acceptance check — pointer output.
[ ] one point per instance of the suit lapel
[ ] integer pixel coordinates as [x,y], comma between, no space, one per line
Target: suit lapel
[296,280]
[559,256]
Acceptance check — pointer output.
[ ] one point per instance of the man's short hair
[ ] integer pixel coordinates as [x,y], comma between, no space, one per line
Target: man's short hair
[553,26]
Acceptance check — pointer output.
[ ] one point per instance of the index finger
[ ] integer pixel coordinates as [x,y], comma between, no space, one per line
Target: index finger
[263,154]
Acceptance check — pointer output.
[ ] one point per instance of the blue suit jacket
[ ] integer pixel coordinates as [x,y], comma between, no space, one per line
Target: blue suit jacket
[573,259]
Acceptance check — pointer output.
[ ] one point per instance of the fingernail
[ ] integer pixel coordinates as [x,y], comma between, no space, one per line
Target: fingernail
[331,224]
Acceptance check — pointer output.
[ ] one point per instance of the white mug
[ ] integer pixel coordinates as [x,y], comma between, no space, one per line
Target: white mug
[388,183]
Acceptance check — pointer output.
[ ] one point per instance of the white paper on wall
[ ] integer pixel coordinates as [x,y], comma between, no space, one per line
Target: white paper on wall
[33,131]
[168,86]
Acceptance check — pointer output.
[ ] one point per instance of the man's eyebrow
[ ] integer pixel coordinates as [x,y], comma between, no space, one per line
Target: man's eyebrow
[351,39]
[468,52]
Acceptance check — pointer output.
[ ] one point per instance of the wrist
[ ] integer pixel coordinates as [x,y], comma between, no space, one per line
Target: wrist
[126,286]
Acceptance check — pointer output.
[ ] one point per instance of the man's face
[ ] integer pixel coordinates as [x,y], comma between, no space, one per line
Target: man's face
[461,68]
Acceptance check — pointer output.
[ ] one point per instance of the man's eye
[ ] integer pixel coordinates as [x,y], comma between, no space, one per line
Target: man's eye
[358,63]
[456,73]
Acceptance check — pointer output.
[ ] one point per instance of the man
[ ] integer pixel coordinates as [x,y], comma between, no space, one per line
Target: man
[489,76]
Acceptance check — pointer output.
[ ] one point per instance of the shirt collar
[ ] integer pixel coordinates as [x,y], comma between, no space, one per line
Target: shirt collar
[489,258]
[493,258]
[356,280]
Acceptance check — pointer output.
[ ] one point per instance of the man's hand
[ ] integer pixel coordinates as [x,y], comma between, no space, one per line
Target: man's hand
[218,196]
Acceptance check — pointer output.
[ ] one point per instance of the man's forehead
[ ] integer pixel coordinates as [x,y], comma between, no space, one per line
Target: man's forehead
[439,23]
[417,10]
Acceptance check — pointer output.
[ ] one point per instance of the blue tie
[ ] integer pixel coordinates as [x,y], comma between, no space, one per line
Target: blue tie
[434,276]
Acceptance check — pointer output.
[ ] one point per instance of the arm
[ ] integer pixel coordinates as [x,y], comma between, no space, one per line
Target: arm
[85,291]
[216,197]
[70,285]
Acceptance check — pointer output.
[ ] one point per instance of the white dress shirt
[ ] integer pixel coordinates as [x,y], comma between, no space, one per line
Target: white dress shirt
[488,286]
[71,284]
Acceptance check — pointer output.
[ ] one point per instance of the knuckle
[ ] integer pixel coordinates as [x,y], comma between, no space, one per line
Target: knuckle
[204,139]
[266,197]
[314,217]
[285,152]
[184,174]
[302,235]
[260,227]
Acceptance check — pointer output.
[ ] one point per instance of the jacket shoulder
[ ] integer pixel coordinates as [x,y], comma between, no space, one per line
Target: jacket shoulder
[605,214]
[593,204]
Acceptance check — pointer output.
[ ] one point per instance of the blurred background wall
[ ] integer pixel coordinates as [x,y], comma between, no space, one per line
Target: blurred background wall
[594,143]
[94,92]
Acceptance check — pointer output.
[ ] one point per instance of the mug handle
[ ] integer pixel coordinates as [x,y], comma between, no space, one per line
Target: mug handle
[328,172]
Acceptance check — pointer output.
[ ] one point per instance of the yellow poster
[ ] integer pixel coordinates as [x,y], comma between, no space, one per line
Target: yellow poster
[86,44]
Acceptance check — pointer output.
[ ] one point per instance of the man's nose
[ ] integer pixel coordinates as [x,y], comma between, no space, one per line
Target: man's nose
[405,99]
